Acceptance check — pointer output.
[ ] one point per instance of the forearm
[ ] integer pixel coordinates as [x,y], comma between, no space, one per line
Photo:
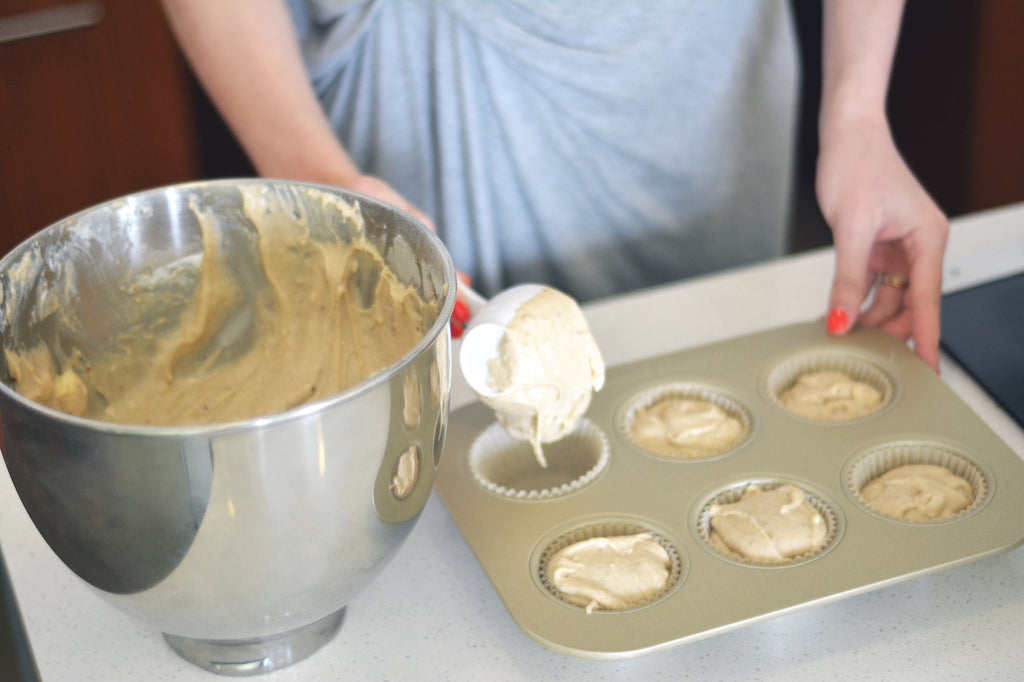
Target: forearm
[245,54]
[858,43]
[883,221]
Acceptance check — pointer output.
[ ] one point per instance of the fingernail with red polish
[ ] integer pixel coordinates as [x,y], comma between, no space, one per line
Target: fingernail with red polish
[460,313]
[837,321]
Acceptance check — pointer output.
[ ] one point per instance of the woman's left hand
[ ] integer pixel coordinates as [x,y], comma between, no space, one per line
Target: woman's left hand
[888,234]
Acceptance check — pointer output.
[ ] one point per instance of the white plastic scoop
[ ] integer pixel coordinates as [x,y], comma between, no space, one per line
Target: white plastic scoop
[529,355]
[487,323]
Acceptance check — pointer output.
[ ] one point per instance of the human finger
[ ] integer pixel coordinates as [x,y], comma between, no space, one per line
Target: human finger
[377,188]
[924,298]
[461,312]
[899,326]
[887,302]
[850,281]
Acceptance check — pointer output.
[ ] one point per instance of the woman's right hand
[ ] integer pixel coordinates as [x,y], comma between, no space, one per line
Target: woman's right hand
[378,189]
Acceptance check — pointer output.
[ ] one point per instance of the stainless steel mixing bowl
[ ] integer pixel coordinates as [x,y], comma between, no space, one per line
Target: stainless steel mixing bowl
[241,542]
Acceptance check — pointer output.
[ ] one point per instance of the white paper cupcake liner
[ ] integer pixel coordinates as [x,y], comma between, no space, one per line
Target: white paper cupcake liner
[734,493]
[871,464]
[608,528]
[685,391]
[784,375]
[508,467]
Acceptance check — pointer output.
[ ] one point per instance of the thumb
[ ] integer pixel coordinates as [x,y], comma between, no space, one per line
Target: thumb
[850,282]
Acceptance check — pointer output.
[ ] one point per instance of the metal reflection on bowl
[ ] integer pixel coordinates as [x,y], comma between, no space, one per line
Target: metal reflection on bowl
[240,541]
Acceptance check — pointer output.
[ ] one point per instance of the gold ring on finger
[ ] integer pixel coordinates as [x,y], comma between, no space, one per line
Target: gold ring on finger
[893,280]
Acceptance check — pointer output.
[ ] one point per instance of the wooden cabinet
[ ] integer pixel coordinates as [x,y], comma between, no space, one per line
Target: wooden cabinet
[996,101]
[956,103]
[101,108]
[957,100]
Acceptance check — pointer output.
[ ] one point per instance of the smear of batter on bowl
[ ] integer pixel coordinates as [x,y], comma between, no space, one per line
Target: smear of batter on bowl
[312,317]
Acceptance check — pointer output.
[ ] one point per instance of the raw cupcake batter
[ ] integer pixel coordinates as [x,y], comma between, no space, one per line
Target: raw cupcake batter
[919,493]
[831,396]
[611,573]
[682,427]
[768,525]
[407,473]
[36,379]
[322,315]
[548,366]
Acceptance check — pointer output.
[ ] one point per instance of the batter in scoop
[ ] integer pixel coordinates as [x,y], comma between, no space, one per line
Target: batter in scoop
[548,366]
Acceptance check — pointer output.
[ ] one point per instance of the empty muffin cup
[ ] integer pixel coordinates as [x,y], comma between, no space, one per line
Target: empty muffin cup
[663,566]
[733,494]
[508,466]
[685,421]
[804,386]
[918,503]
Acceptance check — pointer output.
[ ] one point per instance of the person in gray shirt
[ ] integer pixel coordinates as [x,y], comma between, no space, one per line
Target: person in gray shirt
[595,146]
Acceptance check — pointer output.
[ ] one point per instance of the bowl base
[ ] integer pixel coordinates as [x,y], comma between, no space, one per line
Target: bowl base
[245,657]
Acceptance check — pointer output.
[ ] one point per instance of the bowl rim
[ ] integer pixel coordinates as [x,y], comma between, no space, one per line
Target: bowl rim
[438,328]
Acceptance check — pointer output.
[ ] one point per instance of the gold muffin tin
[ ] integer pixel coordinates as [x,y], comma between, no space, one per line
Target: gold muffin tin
[513,525]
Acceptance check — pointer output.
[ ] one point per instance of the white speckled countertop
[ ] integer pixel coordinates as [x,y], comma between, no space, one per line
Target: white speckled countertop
[432,613]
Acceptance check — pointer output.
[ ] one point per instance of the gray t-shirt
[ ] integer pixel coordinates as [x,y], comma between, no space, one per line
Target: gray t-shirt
[597,146]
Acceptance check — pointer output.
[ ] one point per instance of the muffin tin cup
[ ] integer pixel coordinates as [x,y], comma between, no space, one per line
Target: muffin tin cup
[513,520]
[733,493]
[686,391]
[508,467]
[606,528]
[854,365]
[881,459]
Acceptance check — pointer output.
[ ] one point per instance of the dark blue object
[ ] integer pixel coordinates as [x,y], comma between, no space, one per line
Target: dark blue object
[983,330]
[16,661]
